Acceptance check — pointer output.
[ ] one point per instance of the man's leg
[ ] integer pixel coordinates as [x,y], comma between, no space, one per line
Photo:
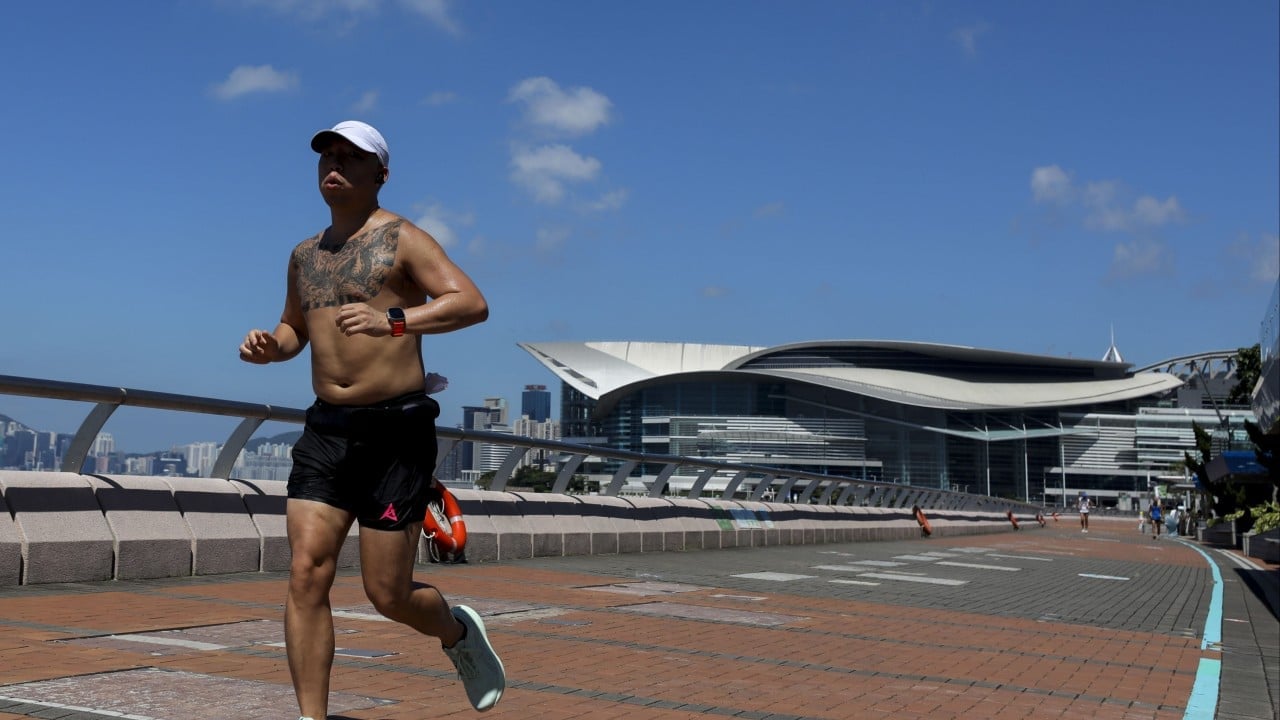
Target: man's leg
[386,563]
[316,532]
[386,560]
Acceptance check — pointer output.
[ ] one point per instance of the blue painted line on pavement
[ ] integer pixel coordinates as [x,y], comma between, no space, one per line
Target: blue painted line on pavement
[1203,702]
[1213,621]
[1204,694]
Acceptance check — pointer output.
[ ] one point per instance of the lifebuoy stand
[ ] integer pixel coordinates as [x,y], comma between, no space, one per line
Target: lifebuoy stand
[1012,519]
[444,528]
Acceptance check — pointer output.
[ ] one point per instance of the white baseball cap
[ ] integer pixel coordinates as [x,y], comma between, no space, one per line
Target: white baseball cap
[362,135]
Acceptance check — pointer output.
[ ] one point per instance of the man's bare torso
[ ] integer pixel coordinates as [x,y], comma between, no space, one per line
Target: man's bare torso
[329,273]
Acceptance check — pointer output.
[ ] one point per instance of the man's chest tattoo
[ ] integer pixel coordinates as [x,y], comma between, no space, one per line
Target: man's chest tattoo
[354,271]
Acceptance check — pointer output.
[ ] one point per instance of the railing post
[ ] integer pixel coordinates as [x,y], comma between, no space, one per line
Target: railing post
[660,482]
[73,461]
[695,492]
[226,459]
[620,477]
[566,474]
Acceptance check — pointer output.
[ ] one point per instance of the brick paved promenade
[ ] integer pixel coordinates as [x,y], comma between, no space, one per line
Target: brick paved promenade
[1041,623]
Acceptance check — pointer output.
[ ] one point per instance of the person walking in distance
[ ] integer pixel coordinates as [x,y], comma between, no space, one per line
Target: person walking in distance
[362,293]
[1085,505]
[1155,515]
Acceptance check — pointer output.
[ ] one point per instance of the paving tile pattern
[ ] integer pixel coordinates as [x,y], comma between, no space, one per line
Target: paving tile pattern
[1042,623]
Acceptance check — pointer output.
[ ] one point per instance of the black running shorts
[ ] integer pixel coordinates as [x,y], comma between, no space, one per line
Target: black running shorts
[374,461]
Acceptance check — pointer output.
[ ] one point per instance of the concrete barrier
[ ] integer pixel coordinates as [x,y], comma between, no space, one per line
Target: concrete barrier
[1264,546]
[697,522]
[622,514]
[654,521]
[65,527]
[65,537]
[150,539]
[515,535]
[600,519]
[724,513]
[225,539]
[265,502]
[554,524]
[10,545]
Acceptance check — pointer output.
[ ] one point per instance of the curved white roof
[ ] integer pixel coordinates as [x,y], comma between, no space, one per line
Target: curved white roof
[605,371]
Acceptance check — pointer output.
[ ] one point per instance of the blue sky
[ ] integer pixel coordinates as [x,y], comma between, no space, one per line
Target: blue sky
[1009,175]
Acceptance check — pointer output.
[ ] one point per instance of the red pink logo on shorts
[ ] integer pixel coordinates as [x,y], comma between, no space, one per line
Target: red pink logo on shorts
[390,513]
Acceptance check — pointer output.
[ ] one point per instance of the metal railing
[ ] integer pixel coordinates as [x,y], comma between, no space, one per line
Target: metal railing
[755,481]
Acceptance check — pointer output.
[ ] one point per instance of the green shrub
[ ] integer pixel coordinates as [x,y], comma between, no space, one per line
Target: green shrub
[1266,517]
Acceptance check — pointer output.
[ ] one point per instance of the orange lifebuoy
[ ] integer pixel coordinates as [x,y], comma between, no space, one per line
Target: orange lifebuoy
[1012,519]
[450,541]
[924,521]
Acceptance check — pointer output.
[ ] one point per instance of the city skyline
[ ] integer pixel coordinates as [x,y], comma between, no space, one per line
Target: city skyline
[270,430]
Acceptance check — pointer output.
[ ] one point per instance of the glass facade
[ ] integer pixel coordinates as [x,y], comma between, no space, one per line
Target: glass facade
[1045,455]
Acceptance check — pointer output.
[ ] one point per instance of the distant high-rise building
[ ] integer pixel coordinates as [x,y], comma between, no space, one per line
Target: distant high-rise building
[200,457]
[489,456]
[545,430]
[473,418]
[497,410]
[104,444]
[535,403]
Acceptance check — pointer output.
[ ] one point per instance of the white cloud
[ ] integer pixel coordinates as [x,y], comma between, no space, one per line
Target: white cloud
[575,111]
[366,103]
[349,11]
[317,10]
[437,11]
[440,222]
[247,79]
[967,37]
[1260,258]
[549,240]
[1106,206]
[612,200]
[1139,257]
[769,210]
[1108,211]
[1050,184]
[1103,202]
[439,97]
[544,170]
[1150,211]
[714,291]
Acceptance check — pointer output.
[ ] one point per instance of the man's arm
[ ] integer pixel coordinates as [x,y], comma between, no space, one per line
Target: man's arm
[455,301]
[290,336]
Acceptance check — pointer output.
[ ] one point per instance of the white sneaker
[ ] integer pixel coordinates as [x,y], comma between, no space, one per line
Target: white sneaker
[478,665]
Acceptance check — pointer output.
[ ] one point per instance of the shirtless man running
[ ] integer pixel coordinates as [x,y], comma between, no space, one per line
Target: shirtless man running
[363,293]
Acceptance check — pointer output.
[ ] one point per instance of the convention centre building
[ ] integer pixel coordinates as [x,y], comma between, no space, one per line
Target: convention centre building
[1032,427]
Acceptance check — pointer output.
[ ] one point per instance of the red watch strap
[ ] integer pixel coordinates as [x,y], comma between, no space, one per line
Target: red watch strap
[397,328]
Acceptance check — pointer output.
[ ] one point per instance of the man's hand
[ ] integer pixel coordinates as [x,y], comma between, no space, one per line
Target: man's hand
[259,347]
[361,319]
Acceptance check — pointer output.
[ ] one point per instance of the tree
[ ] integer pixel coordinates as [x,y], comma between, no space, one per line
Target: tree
[1248,367]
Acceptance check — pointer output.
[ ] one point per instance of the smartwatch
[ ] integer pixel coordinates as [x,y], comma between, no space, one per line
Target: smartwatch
[395,316]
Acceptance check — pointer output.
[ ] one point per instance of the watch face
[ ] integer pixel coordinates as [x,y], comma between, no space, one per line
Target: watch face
[395,314]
